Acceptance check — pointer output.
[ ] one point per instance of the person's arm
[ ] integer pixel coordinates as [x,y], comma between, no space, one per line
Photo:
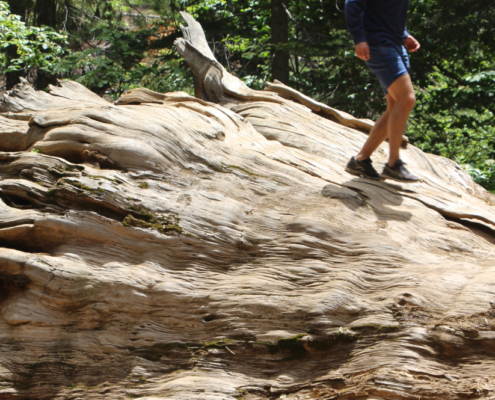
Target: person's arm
[354,10]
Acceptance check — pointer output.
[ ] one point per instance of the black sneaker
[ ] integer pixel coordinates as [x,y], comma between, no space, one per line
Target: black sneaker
[362,168]
[399,173]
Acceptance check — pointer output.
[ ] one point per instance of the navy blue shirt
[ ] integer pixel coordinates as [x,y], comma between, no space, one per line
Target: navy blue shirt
[378,22]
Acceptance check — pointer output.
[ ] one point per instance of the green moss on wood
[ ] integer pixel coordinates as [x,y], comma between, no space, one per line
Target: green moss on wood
[76,184]
[156,222]
[216,343]
[293,345]
[244,170]
[98,177]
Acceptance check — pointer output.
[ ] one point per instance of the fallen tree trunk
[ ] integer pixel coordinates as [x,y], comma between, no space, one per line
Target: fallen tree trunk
[215,248]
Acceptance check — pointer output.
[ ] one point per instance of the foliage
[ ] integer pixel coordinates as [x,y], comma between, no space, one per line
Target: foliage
[124,59]
[239,35]
[34,47]
[107,54]
[322,61]
[455,76]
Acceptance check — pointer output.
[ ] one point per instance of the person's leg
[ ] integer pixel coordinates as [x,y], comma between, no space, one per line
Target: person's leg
[361,165]
[391,66]
[402,93]
[378,133]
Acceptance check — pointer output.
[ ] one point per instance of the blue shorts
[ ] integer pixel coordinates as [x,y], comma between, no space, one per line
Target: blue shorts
[388,63]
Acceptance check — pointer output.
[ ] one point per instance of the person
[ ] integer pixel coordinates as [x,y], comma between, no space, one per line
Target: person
[378,29]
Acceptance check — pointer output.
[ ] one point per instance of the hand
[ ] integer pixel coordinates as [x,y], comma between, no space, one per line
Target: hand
[411,44]
[363,51]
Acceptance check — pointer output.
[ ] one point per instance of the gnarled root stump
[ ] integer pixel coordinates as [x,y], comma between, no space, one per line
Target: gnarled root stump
[177,247]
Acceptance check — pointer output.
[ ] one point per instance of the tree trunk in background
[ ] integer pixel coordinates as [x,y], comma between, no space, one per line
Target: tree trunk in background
[45,13]
[280,36]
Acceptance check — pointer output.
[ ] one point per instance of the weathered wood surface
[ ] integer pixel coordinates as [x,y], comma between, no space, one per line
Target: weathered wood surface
[172,247]
[341,117]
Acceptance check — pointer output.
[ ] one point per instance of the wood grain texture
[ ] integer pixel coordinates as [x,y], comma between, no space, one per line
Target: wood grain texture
[173,247]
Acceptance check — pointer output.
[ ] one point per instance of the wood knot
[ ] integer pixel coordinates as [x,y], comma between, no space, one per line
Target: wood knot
[14,281]
[20,281]
[10,284]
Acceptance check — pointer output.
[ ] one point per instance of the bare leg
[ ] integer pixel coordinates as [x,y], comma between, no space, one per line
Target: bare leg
[402,92]
[378,133]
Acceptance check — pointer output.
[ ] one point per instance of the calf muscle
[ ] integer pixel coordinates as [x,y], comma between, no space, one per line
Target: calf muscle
[402,92]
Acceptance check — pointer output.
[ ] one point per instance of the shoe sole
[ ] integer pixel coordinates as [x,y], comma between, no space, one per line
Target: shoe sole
[362,174]
[399,180]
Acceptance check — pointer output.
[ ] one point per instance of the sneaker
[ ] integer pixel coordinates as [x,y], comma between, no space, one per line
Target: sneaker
[362,168]
[398,173]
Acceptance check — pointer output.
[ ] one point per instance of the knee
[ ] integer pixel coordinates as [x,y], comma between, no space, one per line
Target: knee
[407,101]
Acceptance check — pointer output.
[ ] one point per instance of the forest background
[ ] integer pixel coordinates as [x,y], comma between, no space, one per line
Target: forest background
[113,46]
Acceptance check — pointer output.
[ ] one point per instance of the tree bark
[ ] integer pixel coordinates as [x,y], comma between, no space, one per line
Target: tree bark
[280,37]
